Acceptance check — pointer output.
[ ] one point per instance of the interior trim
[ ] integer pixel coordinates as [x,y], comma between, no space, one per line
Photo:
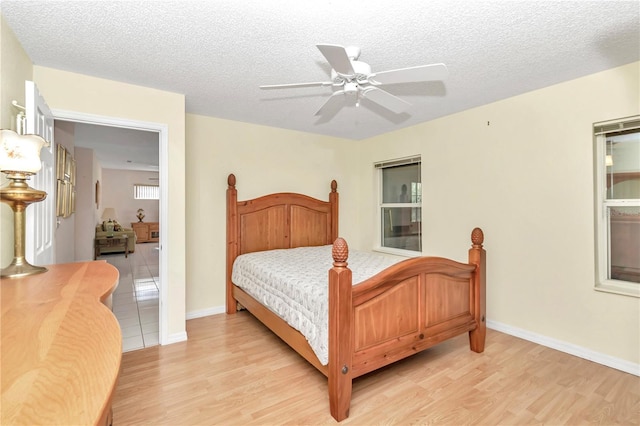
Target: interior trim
[163,137]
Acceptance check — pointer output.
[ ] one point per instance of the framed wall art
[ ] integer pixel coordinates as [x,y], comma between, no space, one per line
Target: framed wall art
[60,198]
[60,161]
[66,182]
[68,192]
[97,194]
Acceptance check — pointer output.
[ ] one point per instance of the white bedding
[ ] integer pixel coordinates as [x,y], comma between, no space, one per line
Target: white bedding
[293,283]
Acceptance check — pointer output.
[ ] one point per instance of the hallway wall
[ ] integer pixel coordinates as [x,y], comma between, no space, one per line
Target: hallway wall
[88,172]
[117,192]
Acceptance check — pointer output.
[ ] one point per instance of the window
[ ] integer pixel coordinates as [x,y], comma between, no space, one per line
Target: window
[617,164]
[400,206]
[146,192]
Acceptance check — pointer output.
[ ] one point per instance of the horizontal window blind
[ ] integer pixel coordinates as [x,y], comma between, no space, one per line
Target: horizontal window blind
[146,192]
[617,126]
[399,162]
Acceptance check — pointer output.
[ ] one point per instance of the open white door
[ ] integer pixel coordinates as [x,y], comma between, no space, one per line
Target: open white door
[41,217]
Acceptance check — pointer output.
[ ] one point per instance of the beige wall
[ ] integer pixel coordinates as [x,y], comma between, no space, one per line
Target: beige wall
[89,95]
[522,169]
[117,192]
[15,68]
[264,160]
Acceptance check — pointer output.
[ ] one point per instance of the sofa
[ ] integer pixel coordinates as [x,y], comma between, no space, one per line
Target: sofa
[131,239]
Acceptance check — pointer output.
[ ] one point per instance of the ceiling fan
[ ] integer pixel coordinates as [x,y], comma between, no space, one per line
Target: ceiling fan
[353,80]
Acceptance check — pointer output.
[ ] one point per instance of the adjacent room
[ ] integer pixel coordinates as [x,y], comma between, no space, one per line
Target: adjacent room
[459,180]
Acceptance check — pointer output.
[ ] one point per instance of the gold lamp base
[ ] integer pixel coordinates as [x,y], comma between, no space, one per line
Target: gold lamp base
[18,195]
[16,270]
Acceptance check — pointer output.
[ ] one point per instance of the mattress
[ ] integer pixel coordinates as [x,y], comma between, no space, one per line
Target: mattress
[293,283]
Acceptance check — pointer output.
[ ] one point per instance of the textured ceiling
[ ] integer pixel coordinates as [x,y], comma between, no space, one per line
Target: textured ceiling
[217,53]
[119,148]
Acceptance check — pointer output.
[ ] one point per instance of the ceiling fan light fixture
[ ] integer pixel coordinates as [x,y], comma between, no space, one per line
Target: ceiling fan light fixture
[354,79]
[351,88]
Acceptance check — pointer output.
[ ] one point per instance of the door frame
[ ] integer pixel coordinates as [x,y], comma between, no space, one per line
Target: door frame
[163,139]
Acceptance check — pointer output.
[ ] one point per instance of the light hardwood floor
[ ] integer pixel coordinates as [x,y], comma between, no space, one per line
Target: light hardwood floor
[232,370]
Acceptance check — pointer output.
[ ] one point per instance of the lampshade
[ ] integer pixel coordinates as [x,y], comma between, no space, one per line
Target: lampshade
[20,153]
[109,214]
[608,160]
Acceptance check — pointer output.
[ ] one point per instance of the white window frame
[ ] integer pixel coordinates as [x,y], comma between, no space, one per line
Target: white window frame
[143,191]
[380,166]
[600,131]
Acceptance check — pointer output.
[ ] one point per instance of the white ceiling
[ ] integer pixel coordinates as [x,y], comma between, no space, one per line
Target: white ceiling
[218,52]
[118,148]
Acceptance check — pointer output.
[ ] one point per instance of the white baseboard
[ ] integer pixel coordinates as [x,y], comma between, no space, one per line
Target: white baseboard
[182,336]
[175,338]
[206,312]
[569,348]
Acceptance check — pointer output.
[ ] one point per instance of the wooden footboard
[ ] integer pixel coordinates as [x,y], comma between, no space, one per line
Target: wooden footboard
[403,310]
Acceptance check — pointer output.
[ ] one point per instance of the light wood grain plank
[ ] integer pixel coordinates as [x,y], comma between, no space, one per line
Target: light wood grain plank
[234,371]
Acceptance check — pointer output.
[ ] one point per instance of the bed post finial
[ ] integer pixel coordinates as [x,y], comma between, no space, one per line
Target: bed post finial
[340,252]
[477,237]
[334,186]
[231,180]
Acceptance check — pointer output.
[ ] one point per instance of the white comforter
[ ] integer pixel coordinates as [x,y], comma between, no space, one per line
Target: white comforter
[293,283]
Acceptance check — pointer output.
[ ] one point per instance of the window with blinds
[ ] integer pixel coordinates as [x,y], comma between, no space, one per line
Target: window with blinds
[146,192]
[400,205]
[617,171]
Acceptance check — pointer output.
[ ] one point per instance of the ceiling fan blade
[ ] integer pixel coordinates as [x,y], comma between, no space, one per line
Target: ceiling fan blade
[412,74]
[290,85]
[337,58]
[333,104]
[385,99]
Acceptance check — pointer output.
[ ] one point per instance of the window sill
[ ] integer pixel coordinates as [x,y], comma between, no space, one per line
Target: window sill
[622,288]
[397,252]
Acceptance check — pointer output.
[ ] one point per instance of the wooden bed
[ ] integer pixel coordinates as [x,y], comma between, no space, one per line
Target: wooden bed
[408,307]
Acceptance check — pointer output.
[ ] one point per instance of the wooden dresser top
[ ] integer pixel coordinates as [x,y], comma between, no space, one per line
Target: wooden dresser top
[61,346]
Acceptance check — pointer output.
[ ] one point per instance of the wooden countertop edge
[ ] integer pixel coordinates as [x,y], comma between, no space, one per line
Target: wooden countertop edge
[106,408]
[58,309]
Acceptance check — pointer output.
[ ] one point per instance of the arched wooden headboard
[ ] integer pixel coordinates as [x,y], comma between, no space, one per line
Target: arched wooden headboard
[275,221]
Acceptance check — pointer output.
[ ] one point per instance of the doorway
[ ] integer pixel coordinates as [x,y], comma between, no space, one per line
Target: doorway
[161,131]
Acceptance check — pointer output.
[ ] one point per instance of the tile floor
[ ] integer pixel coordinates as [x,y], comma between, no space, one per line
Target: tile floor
[136,300]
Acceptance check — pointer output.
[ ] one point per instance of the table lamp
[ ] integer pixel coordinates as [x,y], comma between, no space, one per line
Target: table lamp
[19,159]
[108,218]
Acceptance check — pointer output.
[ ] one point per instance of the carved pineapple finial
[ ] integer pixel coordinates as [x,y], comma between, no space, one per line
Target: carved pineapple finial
[477,237]
[340,252]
